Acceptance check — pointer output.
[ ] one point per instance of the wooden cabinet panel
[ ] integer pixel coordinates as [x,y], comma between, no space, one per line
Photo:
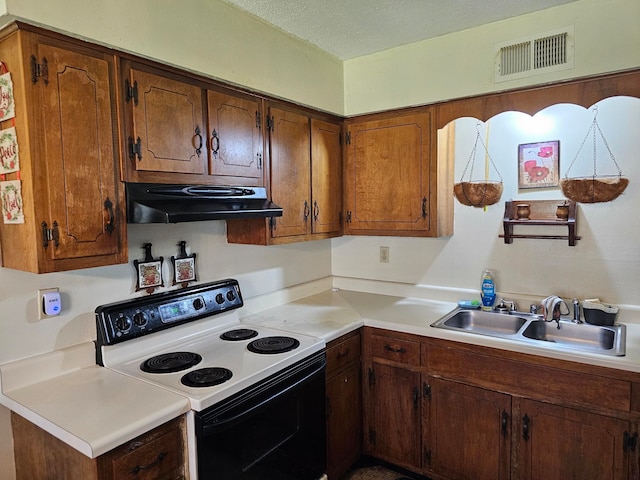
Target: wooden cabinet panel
[401,350]
[66,125]
[326,176]
[167,124]
[467,431]
[290,156]
[235,139]
[342,354]
[388,173]
[393,428]
[559,442]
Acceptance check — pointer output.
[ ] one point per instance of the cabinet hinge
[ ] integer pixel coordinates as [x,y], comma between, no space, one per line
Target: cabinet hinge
[272,223]
[427,456]
[50,234]
[258,119]
[426,391]
[348,216]
[372,378]
[347,139]
[39,70]
[131,91]
[372,436]
[629,442]
[259,157]
[270,123]
[135,148]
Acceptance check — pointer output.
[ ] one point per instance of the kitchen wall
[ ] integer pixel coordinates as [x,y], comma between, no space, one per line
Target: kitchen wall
[462,64]
[210,37]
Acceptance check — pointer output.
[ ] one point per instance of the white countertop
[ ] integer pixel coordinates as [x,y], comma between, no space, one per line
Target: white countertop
[89,407]
[95,409]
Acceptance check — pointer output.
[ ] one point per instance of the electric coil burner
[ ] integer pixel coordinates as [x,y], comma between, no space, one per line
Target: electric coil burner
[272,345]
[239,334]
[170,362]
[257,394]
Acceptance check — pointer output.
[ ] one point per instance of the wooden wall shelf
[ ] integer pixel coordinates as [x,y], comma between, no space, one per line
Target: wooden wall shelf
[542,213]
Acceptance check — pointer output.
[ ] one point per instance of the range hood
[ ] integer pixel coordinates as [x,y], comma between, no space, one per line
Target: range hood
[164,203]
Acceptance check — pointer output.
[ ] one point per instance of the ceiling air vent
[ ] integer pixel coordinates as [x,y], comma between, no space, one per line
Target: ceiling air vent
[534,55]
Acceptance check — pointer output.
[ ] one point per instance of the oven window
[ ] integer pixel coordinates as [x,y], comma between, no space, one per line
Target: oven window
[282,437]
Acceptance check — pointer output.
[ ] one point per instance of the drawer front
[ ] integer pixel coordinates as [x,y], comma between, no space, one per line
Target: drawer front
[158,459]
[342,354]
[395,349]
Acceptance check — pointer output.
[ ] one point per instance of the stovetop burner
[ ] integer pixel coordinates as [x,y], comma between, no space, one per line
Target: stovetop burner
[170,362]
[270,345]
[206,377]
[239,334]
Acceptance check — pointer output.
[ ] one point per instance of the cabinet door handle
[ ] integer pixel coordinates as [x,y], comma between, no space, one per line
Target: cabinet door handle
[316,210]
[394,349]
[424,207]
[215,142]
[526,423]
[307,210]
[199,136]
[343,353]
[135,470]
[504,422]
[112,217]
[416,397]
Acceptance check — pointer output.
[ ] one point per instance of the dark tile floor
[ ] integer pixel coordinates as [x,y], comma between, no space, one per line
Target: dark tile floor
[371,469]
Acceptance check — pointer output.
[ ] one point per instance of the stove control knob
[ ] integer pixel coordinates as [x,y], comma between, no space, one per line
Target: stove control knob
[123,323]
[198,304]
[219,299]
[231,296]
[140,319]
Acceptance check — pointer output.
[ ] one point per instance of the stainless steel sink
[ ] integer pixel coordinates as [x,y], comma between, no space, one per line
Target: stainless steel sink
[531,329]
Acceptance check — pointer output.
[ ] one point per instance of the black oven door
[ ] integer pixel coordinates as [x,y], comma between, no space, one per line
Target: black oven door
[273,430]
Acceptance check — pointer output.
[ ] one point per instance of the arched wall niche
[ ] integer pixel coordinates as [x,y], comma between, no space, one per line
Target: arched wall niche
[584,92]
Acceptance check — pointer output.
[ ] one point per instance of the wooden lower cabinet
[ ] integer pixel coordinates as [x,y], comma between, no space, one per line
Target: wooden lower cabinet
[158,455]
[467,433]
[560,442]
[344,404]
[488,414]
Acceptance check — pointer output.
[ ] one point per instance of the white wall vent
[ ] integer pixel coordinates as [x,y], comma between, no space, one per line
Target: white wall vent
[534,55]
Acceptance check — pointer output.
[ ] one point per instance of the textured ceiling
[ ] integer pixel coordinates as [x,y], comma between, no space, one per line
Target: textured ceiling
[351,28]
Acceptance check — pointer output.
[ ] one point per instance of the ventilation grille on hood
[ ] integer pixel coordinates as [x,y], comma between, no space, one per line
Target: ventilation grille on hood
[534,55]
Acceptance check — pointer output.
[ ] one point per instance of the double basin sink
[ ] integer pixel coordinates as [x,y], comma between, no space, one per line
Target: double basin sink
[533,330]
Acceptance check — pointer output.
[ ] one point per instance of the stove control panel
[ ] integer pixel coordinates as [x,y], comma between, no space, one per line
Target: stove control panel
[121,321]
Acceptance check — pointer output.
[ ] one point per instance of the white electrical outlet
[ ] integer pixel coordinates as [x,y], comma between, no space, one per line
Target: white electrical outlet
[384,254]
[49,304]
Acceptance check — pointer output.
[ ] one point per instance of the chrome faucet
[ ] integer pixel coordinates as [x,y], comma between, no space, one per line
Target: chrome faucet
[576,311]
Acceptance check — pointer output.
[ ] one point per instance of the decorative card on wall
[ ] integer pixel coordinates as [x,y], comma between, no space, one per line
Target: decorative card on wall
[9,160]
[184,266]
[148,271]
[7,105]
[11,194]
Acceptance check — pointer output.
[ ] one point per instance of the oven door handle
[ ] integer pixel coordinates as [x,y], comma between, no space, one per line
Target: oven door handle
[221,421]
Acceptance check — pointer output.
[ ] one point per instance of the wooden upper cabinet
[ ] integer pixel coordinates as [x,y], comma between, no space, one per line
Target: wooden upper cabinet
[326,177]
[167,133]
[235,139]
[388,175]
[66,130]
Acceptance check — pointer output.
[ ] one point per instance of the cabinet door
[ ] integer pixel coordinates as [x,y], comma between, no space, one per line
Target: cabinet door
[559,442]
[290,156]
[344,420]
[387,175]
[167,124]
[79,152]
[467,433]
[235,139]
[394,416]
[326,176]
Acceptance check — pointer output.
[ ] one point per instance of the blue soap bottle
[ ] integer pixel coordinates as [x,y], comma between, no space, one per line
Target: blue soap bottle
[488,290]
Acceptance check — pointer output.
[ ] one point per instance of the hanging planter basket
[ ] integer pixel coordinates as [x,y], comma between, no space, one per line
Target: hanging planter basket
[477,193]
[596,188]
